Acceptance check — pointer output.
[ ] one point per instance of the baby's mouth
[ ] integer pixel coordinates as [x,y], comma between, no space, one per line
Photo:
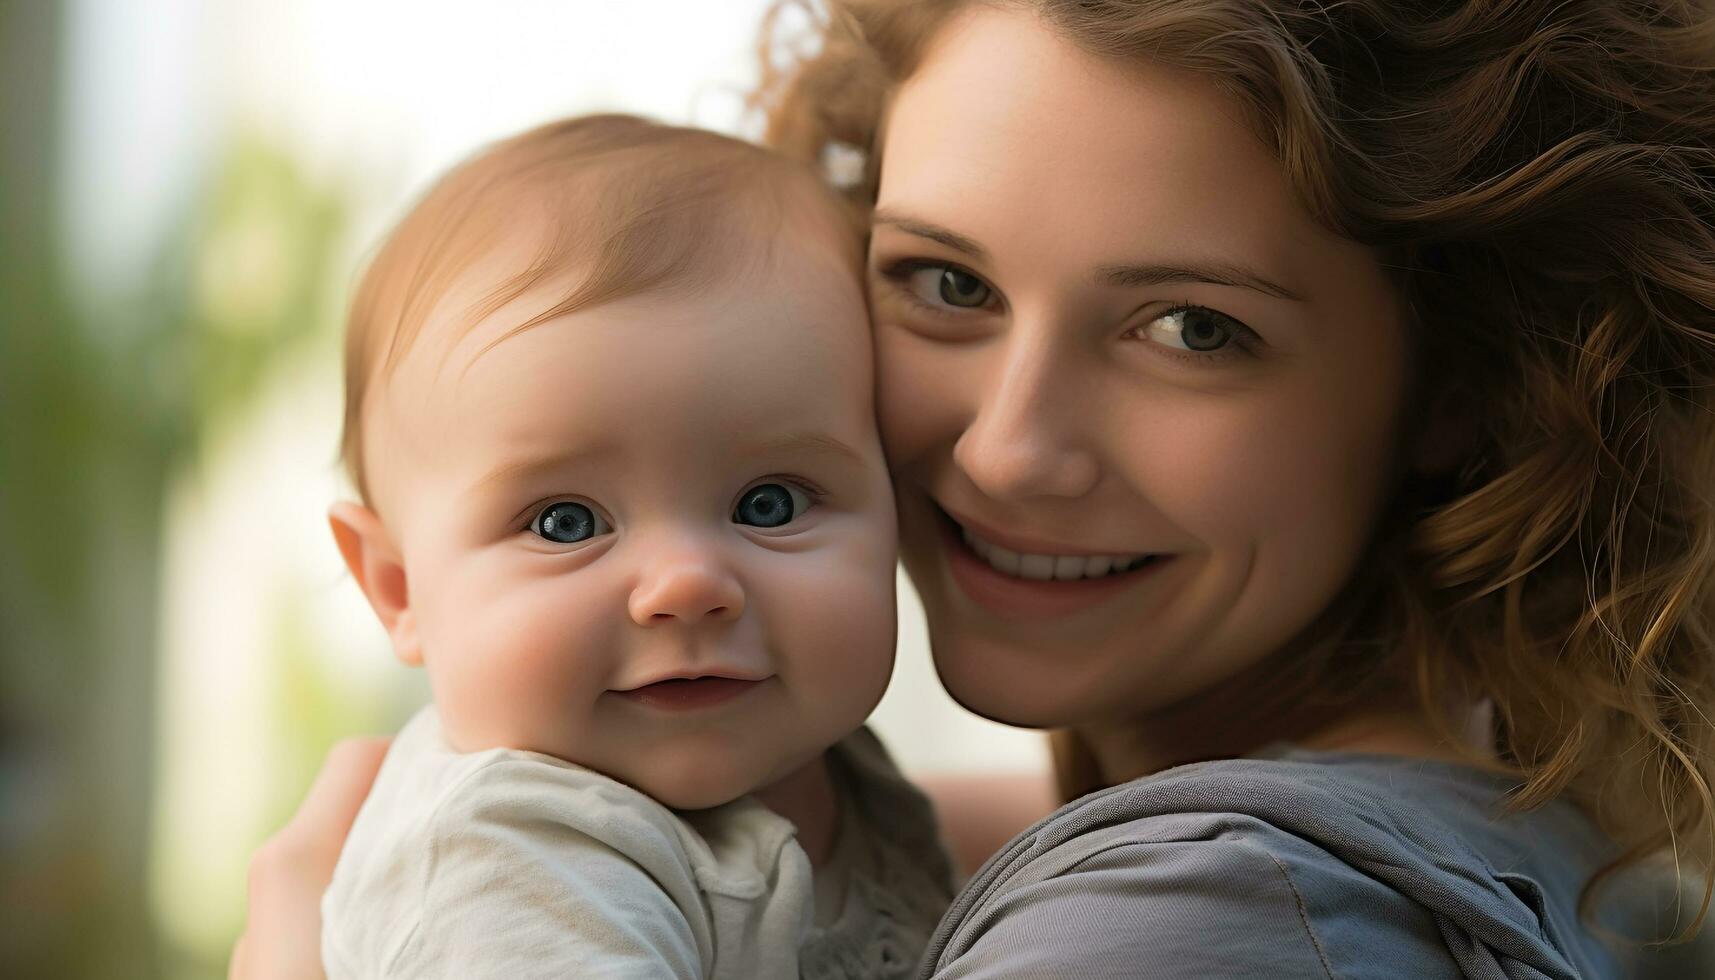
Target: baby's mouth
[690,693]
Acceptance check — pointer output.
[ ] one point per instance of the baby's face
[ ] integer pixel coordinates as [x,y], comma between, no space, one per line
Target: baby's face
[654,537]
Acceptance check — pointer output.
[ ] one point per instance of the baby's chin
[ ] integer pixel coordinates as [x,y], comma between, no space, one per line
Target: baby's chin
[711,777]
[696,797]
[690,783]
[701,791]
[691,773]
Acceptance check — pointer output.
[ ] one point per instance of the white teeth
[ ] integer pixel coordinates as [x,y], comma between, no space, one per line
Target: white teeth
[1041,568]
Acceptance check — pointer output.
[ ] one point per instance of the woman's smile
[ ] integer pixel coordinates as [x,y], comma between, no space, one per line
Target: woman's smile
[1034,579]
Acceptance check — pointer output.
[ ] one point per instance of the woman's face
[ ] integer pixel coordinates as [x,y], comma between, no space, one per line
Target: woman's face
[1141,409]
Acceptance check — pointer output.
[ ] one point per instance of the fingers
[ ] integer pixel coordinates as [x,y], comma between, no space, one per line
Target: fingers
[291,870]
[241,968]
[324,818]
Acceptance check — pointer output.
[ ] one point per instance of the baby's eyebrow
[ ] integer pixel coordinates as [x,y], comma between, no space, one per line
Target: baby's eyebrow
[526,468]
[805,444]
[796,444]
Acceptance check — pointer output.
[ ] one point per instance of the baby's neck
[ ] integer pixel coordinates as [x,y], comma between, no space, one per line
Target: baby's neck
[806,797]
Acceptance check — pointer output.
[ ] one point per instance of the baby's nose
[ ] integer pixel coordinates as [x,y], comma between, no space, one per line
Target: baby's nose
[686,588]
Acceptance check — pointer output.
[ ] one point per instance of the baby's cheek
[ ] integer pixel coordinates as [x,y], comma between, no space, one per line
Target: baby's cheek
[525,671]
[832,621]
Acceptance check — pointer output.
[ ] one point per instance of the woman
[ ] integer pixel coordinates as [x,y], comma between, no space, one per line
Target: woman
[1322,390]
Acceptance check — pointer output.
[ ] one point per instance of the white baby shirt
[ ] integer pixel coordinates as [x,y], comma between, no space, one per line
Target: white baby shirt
[512,864]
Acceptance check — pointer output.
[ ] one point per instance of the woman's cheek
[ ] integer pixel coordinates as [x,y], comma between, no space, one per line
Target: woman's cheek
[1283,486]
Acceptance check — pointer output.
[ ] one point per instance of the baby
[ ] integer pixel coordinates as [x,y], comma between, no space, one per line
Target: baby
[609,410]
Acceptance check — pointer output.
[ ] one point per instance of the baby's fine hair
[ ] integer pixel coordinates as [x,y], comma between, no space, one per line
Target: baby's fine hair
[620,206]
[1539,176]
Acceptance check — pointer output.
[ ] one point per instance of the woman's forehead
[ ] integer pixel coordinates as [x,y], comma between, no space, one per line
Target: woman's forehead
[1050,156]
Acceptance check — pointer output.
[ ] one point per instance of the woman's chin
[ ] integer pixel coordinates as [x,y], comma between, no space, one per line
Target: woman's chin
[993,684]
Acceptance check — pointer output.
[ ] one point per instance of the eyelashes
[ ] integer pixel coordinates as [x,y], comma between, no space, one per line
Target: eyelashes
[948,291]
[960,288]
[1191,324]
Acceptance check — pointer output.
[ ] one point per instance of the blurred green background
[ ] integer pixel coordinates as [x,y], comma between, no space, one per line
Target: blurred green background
[186,190]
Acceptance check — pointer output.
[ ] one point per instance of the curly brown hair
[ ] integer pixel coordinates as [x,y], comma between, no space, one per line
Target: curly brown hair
[1539,176]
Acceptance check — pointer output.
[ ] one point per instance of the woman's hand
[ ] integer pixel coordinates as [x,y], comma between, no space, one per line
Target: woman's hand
[289,872]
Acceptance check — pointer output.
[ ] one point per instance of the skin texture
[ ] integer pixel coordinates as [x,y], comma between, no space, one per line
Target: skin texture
[658,413]
[1053,406]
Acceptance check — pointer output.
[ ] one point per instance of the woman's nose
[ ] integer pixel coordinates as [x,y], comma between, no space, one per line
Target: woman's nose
[686,586]
[1030,435]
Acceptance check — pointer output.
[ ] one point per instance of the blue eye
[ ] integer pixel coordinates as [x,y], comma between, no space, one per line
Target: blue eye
[770,505]
[568,523]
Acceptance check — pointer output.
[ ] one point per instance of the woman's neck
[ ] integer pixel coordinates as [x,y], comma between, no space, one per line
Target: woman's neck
[1127,750]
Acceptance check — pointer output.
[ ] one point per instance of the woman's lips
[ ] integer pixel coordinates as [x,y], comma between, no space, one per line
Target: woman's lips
[1014,598]
[689,694]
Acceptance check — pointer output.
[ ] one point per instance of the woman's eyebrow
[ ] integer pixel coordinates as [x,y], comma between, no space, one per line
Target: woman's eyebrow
[933,232]
[1149,274]
[1215,273]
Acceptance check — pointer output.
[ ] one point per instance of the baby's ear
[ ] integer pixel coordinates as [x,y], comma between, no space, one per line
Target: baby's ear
[380,571]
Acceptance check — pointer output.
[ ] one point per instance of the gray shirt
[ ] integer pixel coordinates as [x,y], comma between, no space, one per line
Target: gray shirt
[1303,864]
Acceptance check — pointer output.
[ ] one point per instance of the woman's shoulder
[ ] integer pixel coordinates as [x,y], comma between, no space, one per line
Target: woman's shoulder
[1302,864]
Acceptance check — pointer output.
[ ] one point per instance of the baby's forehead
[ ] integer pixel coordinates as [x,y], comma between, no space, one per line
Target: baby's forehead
[572,217]
[802,261]
[707,376]
[548,265]
[793,292]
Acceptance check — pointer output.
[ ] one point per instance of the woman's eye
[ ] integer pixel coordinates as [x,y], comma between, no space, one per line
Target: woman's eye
[1194,328]
[945,284]
[770,505]
[568,523]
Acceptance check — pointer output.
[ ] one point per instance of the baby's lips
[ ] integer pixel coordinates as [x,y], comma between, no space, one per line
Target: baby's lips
[694,674]
[690,694]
